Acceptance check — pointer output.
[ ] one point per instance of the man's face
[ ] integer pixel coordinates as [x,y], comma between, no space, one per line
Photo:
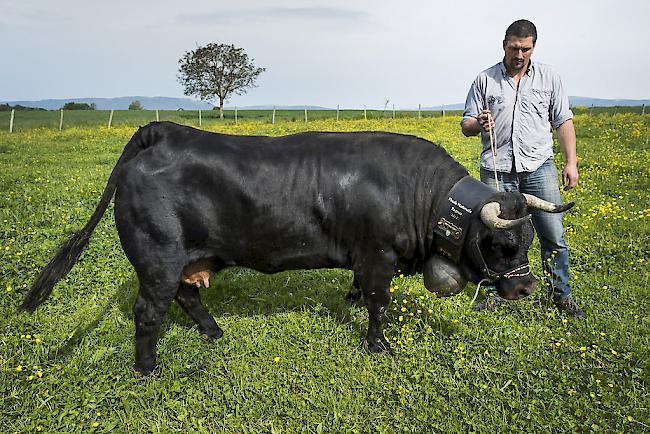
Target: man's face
[517,53]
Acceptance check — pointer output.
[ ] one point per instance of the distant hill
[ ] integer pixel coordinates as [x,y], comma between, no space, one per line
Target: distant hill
[121,103]
[573,101]
[456,106]
[600,102]
[168,103]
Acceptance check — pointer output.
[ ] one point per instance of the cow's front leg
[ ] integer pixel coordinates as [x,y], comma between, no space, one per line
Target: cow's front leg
[375,284]
[355,293]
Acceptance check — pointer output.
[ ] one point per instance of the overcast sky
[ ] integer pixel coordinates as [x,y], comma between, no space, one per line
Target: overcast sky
[317,52]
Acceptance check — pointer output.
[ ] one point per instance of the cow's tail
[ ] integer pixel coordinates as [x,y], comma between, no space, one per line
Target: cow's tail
[70,251]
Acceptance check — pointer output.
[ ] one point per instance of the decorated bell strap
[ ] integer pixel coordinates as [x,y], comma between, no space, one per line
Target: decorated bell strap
[459,206]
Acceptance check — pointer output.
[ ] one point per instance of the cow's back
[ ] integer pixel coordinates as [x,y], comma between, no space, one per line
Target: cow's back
[306,200]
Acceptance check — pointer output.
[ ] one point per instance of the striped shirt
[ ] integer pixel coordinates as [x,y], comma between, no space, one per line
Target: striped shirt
[523,116]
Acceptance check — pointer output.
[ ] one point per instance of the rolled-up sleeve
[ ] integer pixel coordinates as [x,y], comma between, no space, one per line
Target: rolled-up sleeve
[559,110]
[474,101]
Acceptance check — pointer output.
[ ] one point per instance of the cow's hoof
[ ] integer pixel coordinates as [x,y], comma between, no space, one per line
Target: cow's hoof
[140,372]
[377,346]
[211,335]
[353,296]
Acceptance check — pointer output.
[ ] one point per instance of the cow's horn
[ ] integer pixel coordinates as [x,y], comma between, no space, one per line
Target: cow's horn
[535,202]
[490,216]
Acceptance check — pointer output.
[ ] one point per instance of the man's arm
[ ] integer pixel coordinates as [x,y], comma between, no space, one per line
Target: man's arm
[470,127]
[473,126]
[566,136]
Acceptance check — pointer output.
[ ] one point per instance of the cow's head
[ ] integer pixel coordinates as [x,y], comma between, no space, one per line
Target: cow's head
[497,244]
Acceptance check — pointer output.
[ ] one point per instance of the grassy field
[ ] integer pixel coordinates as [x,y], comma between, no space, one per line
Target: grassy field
[291,357]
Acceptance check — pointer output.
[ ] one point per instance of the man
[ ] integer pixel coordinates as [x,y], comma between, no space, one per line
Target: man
[520,100]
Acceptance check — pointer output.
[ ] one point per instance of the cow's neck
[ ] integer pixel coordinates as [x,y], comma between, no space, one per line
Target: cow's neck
[446,175]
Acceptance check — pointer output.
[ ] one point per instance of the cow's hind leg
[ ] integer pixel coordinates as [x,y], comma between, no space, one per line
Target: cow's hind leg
[154,298]
[189,299]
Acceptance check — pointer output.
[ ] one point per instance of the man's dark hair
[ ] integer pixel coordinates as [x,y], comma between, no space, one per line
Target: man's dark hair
[522,29]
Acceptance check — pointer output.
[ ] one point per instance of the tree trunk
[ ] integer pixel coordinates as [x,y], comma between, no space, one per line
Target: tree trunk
[221,108]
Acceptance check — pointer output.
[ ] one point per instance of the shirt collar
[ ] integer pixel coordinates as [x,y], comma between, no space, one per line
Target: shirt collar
[529,71]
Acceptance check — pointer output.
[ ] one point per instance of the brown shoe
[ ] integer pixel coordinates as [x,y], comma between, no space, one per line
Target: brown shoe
[569,307]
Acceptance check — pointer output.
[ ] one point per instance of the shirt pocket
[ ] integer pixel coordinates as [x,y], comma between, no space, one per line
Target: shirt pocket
[539,101]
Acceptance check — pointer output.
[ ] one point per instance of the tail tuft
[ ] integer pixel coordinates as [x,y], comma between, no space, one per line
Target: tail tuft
[58,267]
[70,251]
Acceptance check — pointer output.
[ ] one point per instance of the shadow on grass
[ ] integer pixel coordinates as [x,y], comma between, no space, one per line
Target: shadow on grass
[243,292]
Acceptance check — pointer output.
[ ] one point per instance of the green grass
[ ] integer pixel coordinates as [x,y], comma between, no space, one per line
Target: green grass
[27,120]
[524,368]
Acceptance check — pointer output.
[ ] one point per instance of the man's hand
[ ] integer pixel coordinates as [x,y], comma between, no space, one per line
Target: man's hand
[472,126]
[570,176]
[485,120]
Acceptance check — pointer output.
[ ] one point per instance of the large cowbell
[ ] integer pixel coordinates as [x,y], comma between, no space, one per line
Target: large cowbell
[442,276]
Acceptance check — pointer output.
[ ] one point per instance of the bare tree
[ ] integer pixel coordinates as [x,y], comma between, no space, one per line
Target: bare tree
[217,71]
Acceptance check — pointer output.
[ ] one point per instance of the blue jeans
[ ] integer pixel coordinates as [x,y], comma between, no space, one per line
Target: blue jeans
[542,183]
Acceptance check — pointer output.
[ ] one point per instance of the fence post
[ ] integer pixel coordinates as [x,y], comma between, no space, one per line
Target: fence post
[443,110]
[110,119]
[157,116]
[305,114]
[337,112]
[235,115]
[11,121]
[365,114]
[61,121]
[643,109]
[419,111]
[273,118]
[393,111]
[200,124]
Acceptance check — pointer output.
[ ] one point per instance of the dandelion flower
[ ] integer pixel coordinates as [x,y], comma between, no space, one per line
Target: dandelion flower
[276,359]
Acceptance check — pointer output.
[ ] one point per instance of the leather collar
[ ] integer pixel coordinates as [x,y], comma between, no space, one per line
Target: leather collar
[457,209]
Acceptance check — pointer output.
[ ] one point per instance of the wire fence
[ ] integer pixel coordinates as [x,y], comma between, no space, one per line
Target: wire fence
[17,120]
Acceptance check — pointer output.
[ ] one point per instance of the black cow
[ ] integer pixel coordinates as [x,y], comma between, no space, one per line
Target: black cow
[189,203]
